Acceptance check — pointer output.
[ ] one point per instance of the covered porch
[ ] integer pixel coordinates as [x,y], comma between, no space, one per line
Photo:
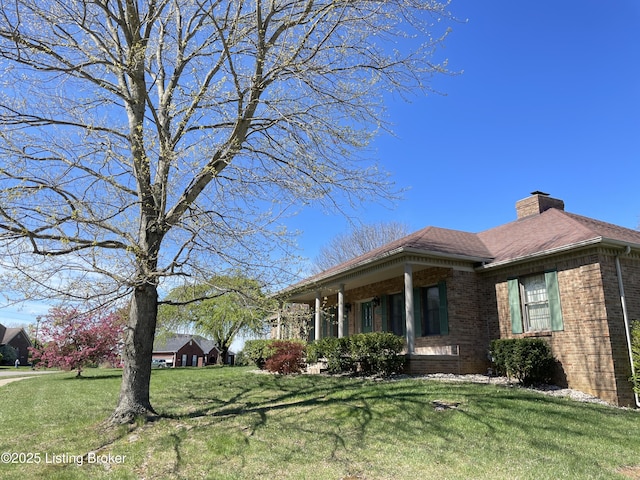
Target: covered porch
[429,298]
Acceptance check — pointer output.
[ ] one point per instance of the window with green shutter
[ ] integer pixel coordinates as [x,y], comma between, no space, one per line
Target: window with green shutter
[396,314]
[534,303]
[434,316]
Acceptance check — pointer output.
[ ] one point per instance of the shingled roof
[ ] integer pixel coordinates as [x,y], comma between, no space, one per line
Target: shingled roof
[547,230]
[175,342]
[433,240]
[550,231]
[9,333]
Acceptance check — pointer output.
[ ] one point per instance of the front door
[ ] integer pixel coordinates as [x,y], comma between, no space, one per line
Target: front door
[367,317]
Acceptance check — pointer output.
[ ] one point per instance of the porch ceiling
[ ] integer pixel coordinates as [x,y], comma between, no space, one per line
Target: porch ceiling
[391,266]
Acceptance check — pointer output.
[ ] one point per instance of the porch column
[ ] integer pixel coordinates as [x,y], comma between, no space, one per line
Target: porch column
[279,326]
[341,311]
[318,326]
[408,305]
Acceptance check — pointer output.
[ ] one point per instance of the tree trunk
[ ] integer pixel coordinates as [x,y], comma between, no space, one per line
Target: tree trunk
[224,354]
[138,346]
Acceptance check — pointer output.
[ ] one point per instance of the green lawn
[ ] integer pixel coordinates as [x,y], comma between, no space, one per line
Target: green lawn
[229,423]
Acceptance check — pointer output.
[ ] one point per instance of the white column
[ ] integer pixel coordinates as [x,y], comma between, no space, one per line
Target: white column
[318,316]
[408,305]
[279,327]
[341,311]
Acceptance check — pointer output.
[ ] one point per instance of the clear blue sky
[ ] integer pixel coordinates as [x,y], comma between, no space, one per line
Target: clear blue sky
[549,100]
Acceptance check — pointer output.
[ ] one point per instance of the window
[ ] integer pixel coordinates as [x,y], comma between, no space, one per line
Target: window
[432,316]
[396,314]
[430,311]
[367,317]
[534,303]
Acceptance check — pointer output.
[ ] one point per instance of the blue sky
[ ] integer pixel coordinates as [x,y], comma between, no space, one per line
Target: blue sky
[549,99]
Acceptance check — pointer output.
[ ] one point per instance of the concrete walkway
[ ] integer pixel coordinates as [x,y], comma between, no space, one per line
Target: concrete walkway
[14,374]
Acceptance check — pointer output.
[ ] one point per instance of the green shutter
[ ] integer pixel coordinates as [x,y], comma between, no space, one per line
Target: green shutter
[383,306]
[417,312]
[515,305]
[553,294]
[404,317]
[444,309]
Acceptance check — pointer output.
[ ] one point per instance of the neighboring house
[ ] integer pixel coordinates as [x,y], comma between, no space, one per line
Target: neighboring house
[571,280]
[184,350]
[18,339]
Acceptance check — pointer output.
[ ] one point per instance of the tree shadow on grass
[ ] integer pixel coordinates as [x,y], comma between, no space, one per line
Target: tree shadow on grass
[109,376]
[338,412]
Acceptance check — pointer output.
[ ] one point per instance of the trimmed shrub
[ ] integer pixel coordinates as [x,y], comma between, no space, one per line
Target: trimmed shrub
[368,353]
[528,360]
[258,351]
[336,351]
[287,357]
[378,352]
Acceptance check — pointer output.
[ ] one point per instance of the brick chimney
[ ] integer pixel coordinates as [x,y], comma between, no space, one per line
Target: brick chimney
[537,203]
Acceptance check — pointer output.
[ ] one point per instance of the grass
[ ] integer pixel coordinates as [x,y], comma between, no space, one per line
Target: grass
[229,423]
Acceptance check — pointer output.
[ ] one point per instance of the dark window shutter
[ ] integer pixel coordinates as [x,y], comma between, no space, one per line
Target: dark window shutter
[444,309]
[553,294]
[404,316]
[417,312]
[514,305]
[383,306]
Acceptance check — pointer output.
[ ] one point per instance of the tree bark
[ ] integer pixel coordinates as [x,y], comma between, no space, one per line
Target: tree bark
[134,399]
[224,355]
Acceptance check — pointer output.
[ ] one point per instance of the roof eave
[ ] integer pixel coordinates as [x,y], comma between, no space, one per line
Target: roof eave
[559,250]
[335,277]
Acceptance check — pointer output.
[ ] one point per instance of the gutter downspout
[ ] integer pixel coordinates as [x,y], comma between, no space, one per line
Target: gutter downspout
[625,316]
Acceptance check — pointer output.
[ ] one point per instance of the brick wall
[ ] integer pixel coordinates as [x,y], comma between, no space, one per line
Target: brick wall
[189,350]
[630,268]
[591,350]
[536,204]
[467,329]
[590,347]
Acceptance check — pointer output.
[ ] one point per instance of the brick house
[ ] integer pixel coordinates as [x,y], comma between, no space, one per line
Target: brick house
[571,280]
[184,350]
[19,340]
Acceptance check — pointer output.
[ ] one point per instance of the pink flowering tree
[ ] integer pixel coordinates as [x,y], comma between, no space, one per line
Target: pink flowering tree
[72,340]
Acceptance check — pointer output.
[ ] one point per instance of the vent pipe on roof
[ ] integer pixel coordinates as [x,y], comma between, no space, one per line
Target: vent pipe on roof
[537,203]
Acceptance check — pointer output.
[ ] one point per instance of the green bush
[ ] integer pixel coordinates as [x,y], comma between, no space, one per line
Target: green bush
[635,350]
[258,351]
[529,360]
[287,357]
[8,354]
[369,353]
[336,351]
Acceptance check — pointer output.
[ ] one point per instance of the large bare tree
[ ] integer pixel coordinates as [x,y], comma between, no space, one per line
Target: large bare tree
[358,241]
[144,140]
